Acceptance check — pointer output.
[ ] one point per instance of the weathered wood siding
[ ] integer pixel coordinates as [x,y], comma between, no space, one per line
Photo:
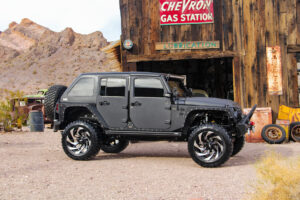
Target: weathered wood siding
[141,24]
[244,28]
[266,23]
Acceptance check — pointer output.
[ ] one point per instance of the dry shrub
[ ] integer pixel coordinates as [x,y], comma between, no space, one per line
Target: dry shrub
[10,118]
[278,178]
[5,117]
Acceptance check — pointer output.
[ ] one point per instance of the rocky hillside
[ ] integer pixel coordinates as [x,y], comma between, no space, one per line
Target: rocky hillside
[33,57]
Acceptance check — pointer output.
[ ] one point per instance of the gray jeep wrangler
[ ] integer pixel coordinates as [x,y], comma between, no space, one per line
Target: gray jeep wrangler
[107,110]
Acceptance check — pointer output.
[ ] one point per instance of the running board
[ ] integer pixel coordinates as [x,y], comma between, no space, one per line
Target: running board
[144,133]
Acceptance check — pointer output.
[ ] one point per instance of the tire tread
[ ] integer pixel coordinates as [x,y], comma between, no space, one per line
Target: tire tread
[238,145]
[94,134]
[278,141]
[53,94]
[216,128]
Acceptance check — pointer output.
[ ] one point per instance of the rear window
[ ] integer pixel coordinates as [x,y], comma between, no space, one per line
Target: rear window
[84,87]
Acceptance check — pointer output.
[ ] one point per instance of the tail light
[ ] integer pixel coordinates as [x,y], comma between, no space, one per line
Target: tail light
[57,107]
[252,123]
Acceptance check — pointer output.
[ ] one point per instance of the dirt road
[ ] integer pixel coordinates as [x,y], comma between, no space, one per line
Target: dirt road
[34,166]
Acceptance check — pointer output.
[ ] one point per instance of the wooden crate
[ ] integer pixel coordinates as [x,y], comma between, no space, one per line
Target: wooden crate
[261,117]
[285,124]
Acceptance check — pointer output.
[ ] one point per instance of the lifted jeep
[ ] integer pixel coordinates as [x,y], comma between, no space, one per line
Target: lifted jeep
[107,110]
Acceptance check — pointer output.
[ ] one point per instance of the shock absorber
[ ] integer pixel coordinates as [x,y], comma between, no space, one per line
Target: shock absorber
[206,118]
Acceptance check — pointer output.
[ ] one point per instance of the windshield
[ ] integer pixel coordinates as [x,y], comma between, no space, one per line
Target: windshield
[177,84]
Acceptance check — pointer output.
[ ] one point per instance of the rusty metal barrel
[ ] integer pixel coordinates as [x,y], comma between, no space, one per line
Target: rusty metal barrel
[36,121]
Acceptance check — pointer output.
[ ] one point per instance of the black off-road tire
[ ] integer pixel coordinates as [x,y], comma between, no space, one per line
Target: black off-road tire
[114,148]
[238,144]
[278,135]
[292,125]
[95,140]
[53,94]
[294,136]
[218,131]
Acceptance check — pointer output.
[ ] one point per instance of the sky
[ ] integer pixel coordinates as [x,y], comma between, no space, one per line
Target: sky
[82,16]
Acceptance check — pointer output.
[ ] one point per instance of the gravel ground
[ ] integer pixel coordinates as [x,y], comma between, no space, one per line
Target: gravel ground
[34,166]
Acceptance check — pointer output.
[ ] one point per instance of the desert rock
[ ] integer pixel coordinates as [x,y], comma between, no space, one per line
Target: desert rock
[34,57]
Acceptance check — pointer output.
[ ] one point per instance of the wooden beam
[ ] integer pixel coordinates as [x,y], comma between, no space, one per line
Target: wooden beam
[293,48]
[182,56]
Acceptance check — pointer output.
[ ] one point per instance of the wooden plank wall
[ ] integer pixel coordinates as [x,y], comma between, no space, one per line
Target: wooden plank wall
[298,22]
[265,23]
[141,23]
[238,70]
[245,27]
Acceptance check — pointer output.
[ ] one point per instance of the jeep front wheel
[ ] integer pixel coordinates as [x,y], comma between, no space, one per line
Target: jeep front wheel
[210,145]
[80,140]
[114,145]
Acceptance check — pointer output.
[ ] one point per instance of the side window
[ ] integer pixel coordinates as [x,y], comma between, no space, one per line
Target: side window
[114,87]
[84,87]
[148,87]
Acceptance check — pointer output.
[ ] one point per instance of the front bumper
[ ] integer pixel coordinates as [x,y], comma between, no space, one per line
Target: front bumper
[244,125]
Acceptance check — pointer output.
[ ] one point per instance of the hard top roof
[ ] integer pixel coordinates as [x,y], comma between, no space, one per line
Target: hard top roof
[123,73]
[132,74]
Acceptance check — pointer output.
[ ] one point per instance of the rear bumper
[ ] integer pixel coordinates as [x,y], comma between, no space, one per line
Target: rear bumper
[56,125]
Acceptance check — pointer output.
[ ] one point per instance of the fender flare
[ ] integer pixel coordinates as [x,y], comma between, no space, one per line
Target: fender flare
[100,119]
[190,117]
[91,108]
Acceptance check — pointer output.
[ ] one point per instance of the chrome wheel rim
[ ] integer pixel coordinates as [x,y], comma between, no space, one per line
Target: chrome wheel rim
[209,146]
[78,141]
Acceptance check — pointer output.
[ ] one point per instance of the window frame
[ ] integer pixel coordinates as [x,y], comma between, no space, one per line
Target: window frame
[144,77]
[112,77]
[85,77]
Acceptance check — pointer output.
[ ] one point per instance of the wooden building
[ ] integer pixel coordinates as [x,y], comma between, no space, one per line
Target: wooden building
[246,47]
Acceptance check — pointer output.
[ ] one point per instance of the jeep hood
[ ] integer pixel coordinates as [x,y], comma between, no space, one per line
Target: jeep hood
[204,101]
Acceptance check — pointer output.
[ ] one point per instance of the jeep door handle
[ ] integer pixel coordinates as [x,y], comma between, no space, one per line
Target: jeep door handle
[104,103]
[136,103]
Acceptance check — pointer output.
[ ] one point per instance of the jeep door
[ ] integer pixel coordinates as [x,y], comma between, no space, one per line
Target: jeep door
[112,100]
[149,108]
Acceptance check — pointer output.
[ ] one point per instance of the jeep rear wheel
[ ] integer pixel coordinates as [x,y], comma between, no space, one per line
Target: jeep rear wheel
[80,140]
[53,94]
[210,145]
[238,144]
[114,145]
